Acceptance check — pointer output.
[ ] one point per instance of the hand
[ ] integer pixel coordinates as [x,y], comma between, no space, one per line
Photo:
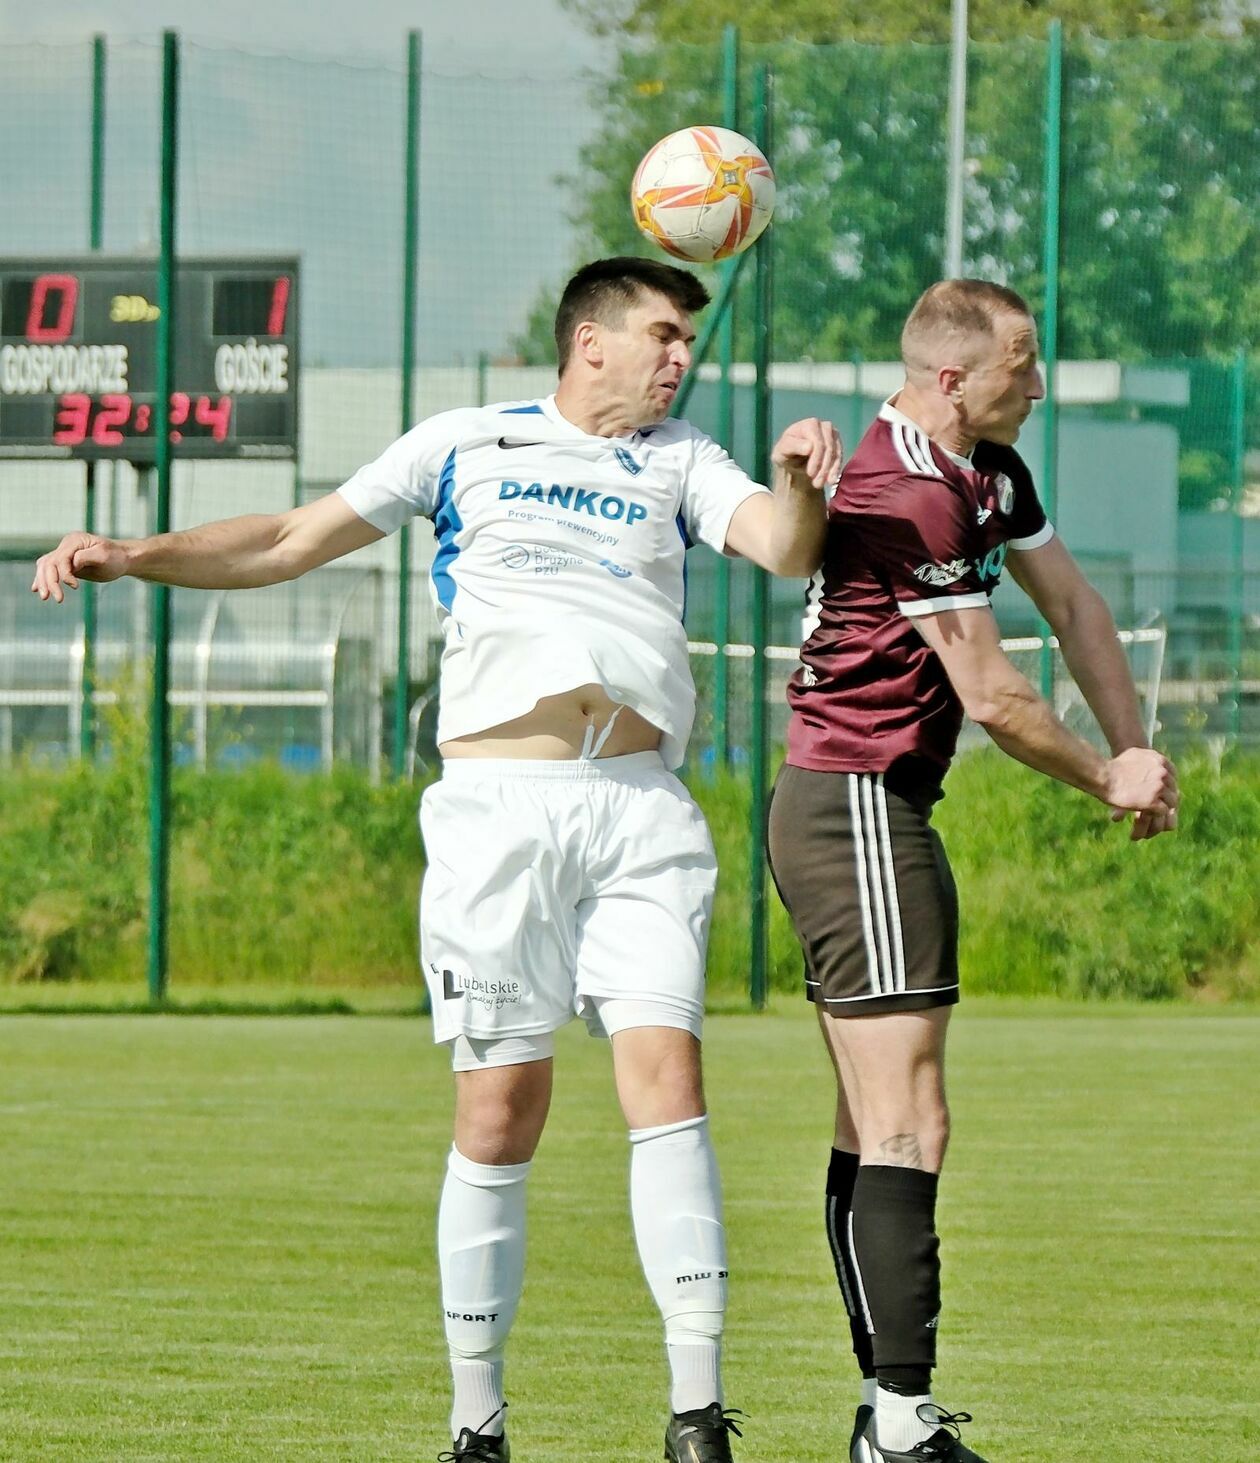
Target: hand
[1146,825]
[1144,782]
[78,556]
[810,449]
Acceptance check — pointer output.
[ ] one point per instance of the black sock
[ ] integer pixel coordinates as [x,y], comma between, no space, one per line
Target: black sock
[899,1272]
[841,1173]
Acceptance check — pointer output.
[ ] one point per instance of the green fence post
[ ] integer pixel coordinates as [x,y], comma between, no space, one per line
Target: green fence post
[1237,543]
[1050,326]
[758,761]
[483,369]
[411,231]
[96,209]
[160,713]
[726,436]
[857,425]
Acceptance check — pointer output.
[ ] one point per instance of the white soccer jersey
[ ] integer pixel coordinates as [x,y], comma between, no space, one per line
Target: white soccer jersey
[560,556]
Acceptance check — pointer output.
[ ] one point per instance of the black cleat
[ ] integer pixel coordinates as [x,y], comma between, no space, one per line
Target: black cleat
[942,1447]
[859,1449]
[703,1436]
[471,1447]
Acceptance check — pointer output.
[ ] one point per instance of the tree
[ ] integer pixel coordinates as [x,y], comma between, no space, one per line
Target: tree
[1161,161]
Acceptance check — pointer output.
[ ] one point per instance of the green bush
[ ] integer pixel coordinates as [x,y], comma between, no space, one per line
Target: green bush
[287,880]
[1055,899]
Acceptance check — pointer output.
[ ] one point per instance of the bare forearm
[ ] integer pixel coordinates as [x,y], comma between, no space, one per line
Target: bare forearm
[798,528]
[237,553]
[1100,668]
[1025,727]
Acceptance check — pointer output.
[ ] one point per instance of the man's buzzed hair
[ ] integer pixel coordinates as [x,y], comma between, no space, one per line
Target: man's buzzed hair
[951,313]
[606,289]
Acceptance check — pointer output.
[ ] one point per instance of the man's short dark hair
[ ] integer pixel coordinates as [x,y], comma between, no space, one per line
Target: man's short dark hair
[607,288]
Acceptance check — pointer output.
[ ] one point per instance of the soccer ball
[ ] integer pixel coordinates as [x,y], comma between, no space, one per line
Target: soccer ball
[703,193]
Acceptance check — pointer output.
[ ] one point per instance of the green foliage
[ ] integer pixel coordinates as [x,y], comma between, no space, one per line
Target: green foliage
[297,884]
[1055,899]
[1161,168]
[275,878]
[824,21]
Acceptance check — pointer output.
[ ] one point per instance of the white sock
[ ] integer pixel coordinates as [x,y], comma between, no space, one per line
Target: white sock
[676,1206]
[898,1426]
[481,1254]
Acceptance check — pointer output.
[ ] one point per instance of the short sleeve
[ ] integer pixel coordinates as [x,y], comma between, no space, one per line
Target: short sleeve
[921,543]
[1029,526]
[715,486]
[404,482]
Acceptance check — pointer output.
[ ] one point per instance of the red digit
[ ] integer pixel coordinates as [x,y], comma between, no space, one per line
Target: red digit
[143,413]
[46,284]
[72,419]
[114,412]
[279,305]
[215,417]
[180,405]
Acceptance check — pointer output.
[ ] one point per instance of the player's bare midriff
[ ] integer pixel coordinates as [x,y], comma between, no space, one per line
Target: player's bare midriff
[556,729]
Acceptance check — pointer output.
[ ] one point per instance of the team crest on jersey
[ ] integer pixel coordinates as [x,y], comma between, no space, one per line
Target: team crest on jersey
[631,466]
[1005,493]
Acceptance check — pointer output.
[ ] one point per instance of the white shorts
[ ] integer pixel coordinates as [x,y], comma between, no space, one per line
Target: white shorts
[553,886]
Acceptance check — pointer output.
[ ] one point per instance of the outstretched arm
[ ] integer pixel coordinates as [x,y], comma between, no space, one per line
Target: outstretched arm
[785,532]
[236,553]
[994,694]
[1081,620]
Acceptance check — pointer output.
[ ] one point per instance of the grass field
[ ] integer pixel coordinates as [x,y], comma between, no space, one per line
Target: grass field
[216,1242]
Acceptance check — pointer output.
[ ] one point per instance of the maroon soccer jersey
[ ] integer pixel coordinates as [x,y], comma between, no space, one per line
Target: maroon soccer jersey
[912,530]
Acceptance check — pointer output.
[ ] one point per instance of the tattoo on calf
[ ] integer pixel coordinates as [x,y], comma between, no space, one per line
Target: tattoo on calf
[902,1150]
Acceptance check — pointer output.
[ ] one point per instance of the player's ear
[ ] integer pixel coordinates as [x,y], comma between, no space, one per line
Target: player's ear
[588,343]
[950,379]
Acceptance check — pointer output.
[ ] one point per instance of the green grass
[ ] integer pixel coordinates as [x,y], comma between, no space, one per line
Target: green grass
[216,1242]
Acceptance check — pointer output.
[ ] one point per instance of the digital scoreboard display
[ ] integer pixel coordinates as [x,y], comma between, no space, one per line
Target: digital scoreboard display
[78,358]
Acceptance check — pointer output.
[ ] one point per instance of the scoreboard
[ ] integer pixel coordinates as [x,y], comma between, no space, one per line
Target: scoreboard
[78,358]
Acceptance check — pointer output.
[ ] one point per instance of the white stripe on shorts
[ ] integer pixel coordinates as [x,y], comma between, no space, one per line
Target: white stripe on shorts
[890,875]
[877,884]
[864,893]
[870,839]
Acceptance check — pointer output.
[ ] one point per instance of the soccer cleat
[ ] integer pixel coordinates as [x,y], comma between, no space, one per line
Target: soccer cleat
[703,1436]
[859,1448]
[942,1447]
[471,1447]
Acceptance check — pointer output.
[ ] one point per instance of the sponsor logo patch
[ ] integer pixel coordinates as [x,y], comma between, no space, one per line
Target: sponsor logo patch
[939,575]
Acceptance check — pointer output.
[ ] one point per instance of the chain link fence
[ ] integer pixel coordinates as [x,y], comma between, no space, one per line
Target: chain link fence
[522,178]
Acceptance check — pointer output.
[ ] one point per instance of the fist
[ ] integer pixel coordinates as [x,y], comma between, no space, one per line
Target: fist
[811,449]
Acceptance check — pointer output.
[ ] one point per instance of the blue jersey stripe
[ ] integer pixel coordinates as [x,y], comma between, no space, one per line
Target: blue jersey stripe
[522,411]
[686,538]
[448,523]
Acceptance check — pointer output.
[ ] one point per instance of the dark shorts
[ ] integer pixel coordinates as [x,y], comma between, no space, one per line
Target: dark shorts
[865,879]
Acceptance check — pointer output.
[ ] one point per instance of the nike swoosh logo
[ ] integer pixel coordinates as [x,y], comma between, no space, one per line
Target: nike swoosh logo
[507,446]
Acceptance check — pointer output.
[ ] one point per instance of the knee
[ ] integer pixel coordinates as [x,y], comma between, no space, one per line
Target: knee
[911,1135]
[500,1122]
